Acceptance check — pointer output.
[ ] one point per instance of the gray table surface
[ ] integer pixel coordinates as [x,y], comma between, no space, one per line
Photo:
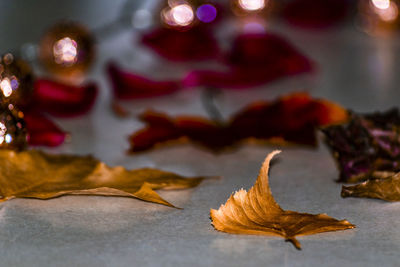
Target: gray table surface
[356,70]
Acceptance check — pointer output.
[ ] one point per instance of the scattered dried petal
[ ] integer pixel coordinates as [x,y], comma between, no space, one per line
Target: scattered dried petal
[197,43]
[128,85]
[366,144]
[293,118]
[316,13]
[34,174]
[256,212]
[63,100]
[255,59]
[42,131]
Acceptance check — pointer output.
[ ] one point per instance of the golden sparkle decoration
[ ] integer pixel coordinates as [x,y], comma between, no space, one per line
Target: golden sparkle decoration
[13,134]
[16,80]
[67,49]
[256,213]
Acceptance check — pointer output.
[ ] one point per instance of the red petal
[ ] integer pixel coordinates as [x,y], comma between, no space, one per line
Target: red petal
[64,100]
[293,118]
[197,43]
[132,86]
[316,13]
[42,131]
[255,59]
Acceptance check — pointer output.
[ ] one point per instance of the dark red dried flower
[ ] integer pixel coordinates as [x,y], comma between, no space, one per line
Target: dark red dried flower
[197,43]
[63,100]
[128,85]
[316,13]
[293,119]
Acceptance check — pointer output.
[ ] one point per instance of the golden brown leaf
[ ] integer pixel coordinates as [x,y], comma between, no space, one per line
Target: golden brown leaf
[385,188]
[34,174]
[256,212]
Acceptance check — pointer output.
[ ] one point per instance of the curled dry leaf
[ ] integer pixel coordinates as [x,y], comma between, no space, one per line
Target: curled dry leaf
[385,188]
[256,212]
[290,119]
[34,174]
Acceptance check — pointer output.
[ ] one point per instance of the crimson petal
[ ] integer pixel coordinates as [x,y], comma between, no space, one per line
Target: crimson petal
[196,43]
[42,131]
[255,59]
[64,100]
[316,13]
[129,85]
[293,119]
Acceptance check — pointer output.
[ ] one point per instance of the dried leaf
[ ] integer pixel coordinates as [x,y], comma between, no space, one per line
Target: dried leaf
[365,145]
[256,212]
[34,174]
[386,188]
[293,118]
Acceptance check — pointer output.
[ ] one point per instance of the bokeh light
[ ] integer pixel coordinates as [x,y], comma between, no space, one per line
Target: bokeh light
[388,14]
[252,5]
[381,4]
[5,86]
[179,15]
[65,51]
[16,80]
[206,13]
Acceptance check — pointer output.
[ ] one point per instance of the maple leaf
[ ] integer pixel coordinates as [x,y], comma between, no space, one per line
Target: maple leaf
[35,174]
[256,212]
[386,188]
[290,119]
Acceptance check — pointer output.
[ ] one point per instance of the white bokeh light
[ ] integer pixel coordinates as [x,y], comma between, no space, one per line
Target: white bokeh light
[65,51]
[252,5]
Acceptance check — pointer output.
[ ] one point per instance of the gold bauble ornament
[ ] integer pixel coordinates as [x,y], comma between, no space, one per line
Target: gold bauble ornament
[13,133]
[67,49]
[16,80]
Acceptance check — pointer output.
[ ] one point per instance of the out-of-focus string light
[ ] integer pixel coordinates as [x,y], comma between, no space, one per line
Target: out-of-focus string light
[178,15]
[5,86]
[65,51]
[252,5]
[381,4]
[386,10]
[206,13]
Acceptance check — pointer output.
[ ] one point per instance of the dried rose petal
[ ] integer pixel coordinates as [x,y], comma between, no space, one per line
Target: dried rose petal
[255,59]
[293,118]
[128,85]
[42,131]
[316,13]
[368,143]
[197,43]
[63,100]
